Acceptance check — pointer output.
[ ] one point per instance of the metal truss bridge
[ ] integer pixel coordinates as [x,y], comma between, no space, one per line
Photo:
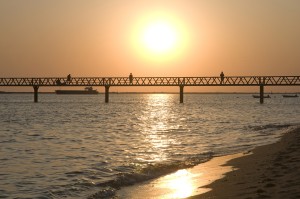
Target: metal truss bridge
[107,82]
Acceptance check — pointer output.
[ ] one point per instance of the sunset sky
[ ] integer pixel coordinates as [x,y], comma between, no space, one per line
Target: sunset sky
[47,38]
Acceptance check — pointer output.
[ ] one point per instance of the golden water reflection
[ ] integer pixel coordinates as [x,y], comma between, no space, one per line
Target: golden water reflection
[180,184]
[157,119]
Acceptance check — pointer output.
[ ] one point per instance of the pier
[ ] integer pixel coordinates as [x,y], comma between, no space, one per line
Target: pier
[181,82]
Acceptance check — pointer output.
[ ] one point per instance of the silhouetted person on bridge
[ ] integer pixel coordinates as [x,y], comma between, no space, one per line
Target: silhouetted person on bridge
[69,78]
[58,83]
[130,78]
[222,77]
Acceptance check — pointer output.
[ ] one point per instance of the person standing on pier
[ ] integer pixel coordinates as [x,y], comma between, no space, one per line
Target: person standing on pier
[69,78]
[130,78]
[222,77]
[58,83]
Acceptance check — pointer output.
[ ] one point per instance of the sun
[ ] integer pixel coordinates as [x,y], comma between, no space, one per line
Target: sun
[159,37]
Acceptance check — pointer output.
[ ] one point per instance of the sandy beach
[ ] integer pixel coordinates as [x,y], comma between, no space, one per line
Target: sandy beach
[271,171]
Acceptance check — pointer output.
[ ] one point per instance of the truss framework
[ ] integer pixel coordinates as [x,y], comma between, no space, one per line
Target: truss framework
[154,81]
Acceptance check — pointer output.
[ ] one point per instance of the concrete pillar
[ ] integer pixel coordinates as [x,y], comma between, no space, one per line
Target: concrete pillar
[181,94]
[106,94]
[35,88]
[261,93]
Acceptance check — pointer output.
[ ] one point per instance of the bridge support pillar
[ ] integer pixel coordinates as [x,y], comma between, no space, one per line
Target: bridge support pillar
[261,93]
[181,94]
[35,88]
[106,94]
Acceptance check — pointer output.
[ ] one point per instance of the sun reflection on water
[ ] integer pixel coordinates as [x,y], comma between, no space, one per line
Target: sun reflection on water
[158,120]
[156,124]
[180,184]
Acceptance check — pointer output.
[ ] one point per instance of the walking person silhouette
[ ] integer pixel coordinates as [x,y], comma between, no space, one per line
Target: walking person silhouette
[69,78]
[222,77]
[130,78]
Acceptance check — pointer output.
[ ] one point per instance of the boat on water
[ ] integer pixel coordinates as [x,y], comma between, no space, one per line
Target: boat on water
[87,90]
[290,95]
[265,96]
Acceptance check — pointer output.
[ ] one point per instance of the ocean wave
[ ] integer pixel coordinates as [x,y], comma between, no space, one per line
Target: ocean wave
[268,126]
[149,172]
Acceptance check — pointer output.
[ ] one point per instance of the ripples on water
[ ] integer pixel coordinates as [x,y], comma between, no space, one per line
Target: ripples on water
[74,146]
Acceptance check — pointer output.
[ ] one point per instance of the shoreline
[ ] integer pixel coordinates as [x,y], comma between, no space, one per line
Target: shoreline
[182,183]
[268,171]
[271,171]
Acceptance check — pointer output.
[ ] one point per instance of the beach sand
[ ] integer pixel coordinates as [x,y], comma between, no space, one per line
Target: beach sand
[272,171]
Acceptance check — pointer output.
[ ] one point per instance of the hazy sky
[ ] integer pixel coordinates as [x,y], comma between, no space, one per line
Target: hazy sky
[103,38]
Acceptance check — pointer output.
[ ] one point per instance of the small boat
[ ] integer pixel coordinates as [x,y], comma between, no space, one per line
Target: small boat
[87,90]
[290,95]
[258,96]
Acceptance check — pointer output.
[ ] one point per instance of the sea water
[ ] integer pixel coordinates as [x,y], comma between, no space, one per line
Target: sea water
[76,146]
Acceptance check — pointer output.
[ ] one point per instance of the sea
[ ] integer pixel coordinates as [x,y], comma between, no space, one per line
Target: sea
[78,146]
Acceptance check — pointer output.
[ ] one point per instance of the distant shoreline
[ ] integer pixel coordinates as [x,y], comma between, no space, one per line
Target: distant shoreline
[13,92]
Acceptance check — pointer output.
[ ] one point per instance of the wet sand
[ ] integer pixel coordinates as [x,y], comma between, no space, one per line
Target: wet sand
[272,171]
[181,184]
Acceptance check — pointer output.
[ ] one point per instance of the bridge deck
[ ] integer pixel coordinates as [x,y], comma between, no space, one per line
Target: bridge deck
[154,81]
